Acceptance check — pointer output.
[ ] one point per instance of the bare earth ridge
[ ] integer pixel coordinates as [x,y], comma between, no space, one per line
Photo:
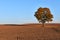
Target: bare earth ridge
[30,32]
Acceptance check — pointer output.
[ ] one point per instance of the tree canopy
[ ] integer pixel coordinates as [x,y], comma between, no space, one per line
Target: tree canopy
[43,15]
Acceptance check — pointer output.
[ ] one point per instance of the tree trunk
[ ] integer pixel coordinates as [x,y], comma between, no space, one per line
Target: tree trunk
[42,24]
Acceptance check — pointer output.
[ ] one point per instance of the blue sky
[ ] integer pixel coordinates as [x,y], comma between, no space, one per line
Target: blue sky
[22,11]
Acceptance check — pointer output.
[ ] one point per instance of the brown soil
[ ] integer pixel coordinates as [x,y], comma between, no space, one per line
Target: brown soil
[30,32]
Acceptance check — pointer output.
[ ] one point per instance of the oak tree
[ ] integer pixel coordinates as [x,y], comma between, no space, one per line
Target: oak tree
[43,15]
